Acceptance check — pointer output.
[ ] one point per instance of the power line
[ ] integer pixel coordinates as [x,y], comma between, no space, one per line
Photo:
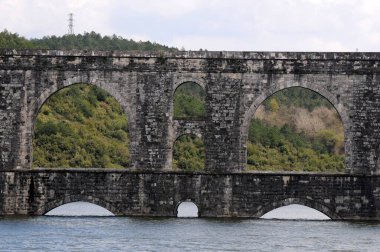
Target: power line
[71,24]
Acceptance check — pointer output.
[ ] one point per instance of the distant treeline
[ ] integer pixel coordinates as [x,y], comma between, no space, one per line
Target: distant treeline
[87,41]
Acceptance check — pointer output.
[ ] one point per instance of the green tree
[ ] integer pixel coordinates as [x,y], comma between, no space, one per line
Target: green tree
[81,126]
[189,153]
[273,105]
[189,101]
[14,41]
[278,144]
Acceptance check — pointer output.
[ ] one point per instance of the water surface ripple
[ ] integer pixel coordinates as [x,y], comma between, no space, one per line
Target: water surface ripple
[48,233]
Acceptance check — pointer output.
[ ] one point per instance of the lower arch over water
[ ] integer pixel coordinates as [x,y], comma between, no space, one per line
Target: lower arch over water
[314,205]
[87,202]
[294,212]
[187,209]
[79,208]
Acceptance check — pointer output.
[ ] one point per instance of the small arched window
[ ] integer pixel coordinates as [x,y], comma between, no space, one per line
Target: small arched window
[189,102]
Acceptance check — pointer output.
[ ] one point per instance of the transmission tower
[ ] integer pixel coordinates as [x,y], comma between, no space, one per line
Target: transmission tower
[71,24]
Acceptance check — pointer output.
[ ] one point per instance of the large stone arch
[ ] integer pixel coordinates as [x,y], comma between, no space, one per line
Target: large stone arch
[280,85]
[76,198]
[51,90]
[301,201]
[110,87]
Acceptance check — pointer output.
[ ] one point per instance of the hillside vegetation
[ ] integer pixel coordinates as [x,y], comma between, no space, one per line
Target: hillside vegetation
[189,102]
[296,130]
[81,126]
[189,153]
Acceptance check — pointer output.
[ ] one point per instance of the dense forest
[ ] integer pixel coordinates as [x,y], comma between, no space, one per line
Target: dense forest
[82,126]
[87,41]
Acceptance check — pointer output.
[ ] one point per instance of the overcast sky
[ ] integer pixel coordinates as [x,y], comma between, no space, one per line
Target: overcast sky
[241,25]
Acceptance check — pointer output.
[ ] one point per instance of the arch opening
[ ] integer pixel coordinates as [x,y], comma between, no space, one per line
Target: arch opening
[189,153]
[79,208]
[189,102]
[296,129]
[187,209]
[295,212]
[81,126]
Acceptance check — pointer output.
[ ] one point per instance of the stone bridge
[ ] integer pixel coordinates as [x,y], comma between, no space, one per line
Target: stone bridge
[235,83]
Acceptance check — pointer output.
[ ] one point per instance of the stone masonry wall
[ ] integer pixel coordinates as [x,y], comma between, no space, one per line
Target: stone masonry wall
[235,84]
[36,192]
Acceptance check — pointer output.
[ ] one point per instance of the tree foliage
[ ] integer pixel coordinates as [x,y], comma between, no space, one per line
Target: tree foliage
[302,132]
[299,97]
[189,101]
[81,126]
[86,41]
[273,148]
[189,153]
[14,41]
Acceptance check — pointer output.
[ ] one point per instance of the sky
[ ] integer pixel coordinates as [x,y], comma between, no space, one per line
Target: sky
[223,25]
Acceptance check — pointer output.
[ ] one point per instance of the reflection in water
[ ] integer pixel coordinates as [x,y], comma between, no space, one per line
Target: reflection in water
[187,210]
[294,212]
[79,209]
[181,234]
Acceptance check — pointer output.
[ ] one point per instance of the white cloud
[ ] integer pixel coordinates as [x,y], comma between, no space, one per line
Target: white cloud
[165,9]
[317,44]
[210,43]
[295,25]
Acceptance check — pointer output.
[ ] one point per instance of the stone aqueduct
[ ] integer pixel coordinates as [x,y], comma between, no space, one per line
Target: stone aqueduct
[235,83]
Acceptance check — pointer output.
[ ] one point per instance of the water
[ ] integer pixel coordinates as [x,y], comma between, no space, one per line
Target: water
[171,234]
[52,233]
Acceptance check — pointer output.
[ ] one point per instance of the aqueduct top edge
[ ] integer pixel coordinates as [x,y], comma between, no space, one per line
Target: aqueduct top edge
[245,55]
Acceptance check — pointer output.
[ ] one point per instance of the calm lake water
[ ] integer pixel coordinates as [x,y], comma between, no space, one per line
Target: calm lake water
[52,233]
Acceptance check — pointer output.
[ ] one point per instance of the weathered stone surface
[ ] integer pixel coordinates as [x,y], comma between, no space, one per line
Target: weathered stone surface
[235,83]
[216,195]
